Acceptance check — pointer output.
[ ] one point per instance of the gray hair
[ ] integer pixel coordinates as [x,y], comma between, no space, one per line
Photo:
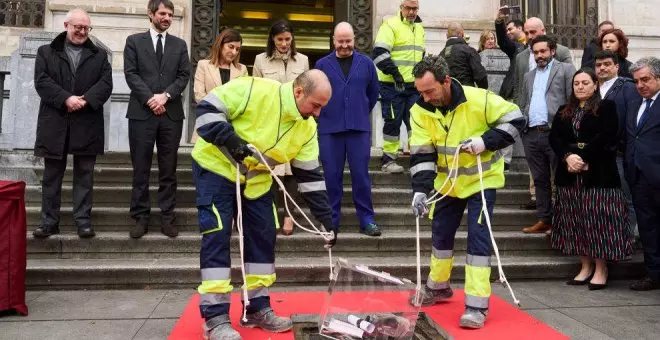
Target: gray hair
[652,63]
[73,11]
[435,64]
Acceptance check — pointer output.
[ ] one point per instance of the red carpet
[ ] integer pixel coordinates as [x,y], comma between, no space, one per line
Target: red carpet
[504,321]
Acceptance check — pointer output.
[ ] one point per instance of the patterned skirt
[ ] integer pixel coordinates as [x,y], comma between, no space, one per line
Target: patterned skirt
[591,222]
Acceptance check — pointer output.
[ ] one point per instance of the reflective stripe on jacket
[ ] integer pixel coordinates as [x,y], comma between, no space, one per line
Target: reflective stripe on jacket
[404,43]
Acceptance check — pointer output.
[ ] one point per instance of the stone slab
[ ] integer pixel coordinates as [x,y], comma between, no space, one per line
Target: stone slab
[569,326]
[634,322]
[70,329]
[155,329]
[172,304]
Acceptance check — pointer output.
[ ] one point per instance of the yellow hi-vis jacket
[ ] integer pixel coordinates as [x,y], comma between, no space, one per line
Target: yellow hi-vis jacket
[262,112]
[436,136]
[402,43]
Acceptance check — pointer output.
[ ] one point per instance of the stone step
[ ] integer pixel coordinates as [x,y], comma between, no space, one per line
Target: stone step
[108,196]
[154,245]
[104,175]
[390,219]
[184,272]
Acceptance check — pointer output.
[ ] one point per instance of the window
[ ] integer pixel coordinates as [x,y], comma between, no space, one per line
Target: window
[22,13]
[572,22]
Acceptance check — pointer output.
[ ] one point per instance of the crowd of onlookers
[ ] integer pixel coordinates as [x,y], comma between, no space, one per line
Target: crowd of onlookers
[589,140]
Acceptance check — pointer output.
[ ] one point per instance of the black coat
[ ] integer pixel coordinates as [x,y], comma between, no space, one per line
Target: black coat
[464,63]
[511,49]
[589,54]
[599,133]
[55,82]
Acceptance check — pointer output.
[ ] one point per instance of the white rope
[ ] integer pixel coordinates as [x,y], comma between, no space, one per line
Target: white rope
[453,172]
[239,226]
[503,279]
[327,236]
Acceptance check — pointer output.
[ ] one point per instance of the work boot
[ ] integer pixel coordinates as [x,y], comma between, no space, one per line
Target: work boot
[141,227]
[46,231]
[433,296]
[219,328]
[473,318]
[267,320]
[371,230]
[391,167]
[539,227]
[86,231]
[168,229]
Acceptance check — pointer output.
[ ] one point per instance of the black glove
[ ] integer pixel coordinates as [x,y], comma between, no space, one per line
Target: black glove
[328,227]
[399,84]
[238,148]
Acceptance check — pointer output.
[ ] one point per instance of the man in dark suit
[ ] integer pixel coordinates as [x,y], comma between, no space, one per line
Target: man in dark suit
[544,90]
[643,165]
[157,70]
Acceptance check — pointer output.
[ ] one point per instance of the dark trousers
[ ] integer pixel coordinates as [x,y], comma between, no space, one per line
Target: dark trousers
[646,199]
[395,108]
[542,162]
[216,207]
[142,135]
[51,190]
[335,149]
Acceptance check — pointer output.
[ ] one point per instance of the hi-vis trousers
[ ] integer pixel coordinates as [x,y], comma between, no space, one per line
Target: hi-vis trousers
[447,215]
[216,207]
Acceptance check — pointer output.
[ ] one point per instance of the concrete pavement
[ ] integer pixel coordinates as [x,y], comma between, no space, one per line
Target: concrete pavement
[613,313]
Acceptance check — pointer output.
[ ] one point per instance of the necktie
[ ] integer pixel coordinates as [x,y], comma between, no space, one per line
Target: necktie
[159,49]
[645,113]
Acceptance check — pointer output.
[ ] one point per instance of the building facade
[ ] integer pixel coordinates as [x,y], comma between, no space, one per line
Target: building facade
[26,24]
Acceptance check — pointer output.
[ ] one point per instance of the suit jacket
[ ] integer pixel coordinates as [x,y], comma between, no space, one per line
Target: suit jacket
[145,78]
[562,54]
[511,48]
[623,92]
[642,151]
[207,77]
[598,133]
[559,89]
[353,97]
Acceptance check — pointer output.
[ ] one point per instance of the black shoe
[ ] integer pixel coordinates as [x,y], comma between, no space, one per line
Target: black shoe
[169,230]
[645,284]
[371,230]
[531,205]
[45,231]
[86,231]
[575,282]
[597,286]
[141,227]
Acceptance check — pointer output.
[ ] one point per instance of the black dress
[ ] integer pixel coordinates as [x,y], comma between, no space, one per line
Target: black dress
[590,210]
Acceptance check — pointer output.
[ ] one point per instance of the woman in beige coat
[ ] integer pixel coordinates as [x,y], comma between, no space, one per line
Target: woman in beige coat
[221,66]
[281,62]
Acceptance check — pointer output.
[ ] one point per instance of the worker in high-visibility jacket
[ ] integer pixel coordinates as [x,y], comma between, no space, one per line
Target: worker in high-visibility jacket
[398,47]
[274,118]
[450,117]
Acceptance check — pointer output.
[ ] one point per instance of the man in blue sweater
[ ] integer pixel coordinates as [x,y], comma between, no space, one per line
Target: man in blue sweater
[344,126]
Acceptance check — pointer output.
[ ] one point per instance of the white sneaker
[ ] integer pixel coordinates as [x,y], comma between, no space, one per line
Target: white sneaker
[392,168]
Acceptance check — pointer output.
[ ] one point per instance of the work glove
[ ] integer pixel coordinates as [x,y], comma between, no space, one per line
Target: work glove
[238,148]
[328,227]
[399,84]
[474,145]
[419,206]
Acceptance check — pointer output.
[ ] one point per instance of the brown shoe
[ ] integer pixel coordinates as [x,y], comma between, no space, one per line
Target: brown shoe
[538,228]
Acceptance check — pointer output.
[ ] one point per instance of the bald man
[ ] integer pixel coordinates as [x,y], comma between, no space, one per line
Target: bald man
[74,79]
[464,61]
[275,119]
[345,126]
[525,61]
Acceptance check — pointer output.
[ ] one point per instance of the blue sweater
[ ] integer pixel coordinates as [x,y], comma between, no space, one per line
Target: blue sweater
[353,97]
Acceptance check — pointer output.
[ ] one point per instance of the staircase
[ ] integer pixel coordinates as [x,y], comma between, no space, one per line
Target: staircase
[113,259]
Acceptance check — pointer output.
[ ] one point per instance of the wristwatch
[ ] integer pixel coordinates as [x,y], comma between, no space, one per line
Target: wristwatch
[168,96]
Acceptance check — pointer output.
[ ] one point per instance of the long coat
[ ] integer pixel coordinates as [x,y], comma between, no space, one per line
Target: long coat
[55,81]
[599,135]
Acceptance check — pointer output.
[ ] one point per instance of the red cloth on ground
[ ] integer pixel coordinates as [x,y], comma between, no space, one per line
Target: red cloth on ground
[13,245]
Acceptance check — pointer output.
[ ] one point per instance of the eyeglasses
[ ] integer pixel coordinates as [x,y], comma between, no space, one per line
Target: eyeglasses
[82,28]
[411,9]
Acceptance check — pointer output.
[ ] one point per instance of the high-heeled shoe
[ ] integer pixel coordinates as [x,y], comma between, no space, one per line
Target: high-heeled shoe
[575,282]
[597,286]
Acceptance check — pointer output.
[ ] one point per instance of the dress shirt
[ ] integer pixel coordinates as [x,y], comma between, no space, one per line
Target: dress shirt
[607,86]
[538,108]
[532,60]
[643,106]
[154,38]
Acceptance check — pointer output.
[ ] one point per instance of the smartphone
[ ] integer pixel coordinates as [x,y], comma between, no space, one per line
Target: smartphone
[510,10]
